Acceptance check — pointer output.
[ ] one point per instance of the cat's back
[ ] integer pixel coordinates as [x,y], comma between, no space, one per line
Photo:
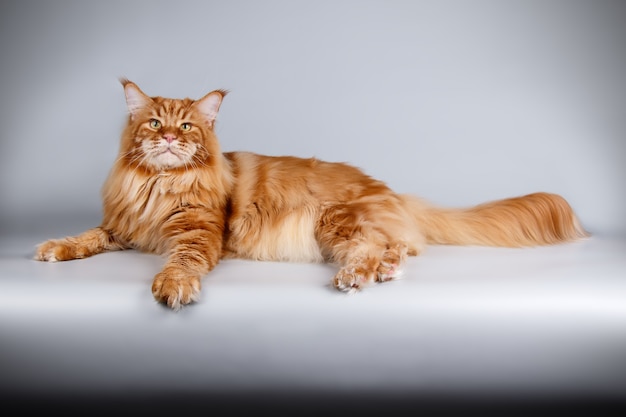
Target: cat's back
[296,178]
[266,166]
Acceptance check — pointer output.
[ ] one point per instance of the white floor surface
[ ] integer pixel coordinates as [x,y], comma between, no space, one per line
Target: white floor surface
[463,322]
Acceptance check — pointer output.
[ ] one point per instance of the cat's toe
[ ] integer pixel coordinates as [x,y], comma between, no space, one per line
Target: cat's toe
[389,267]
[52,251]
[44,256]
[351,280]
[175,291]
[388,271]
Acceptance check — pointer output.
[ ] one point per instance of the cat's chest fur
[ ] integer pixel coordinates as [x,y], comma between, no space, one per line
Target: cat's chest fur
[137,206]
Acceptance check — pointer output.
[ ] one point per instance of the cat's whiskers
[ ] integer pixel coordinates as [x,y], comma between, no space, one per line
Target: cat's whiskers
[191,157]
[190,164]
[200,149]
[196,162]
[124,155]
[140,158]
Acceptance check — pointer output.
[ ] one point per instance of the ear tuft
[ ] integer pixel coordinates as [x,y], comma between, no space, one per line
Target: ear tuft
[136,100]
[209,105]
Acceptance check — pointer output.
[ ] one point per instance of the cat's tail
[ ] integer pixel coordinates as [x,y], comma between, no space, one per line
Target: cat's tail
[531,220]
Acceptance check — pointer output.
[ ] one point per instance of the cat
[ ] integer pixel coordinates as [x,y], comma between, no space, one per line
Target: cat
[172,191]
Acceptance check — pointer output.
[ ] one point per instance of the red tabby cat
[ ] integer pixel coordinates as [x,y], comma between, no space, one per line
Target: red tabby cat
[173,192]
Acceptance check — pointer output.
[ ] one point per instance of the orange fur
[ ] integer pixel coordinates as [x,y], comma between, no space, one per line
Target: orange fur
[173,192]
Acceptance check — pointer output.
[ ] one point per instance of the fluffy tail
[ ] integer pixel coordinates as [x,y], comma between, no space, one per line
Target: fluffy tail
[531,220]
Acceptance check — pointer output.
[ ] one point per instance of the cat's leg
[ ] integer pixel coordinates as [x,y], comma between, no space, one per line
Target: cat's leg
[370,263]
[195,244]
[360,246]
[88,243]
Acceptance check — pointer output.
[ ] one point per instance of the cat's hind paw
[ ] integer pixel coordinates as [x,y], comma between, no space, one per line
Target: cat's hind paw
[175,288]
[387,272]
[351,279]
[390,266]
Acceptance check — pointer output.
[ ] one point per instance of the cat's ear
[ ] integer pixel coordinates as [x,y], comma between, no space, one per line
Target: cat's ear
[135,98]
[209,105]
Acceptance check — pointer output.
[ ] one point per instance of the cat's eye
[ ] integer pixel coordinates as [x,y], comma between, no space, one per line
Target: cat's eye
[155,124]
[185,127]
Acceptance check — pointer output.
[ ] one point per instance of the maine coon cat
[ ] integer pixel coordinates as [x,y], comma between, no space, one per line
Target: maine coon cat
[173,192]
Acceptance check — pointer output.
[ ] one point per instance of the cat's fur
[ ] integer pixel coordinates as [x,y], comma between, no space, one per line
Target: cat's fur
[173,192]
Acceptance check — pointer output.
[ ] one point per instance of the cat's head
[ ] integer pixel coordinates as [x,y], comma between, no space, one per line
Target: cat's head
[169,134]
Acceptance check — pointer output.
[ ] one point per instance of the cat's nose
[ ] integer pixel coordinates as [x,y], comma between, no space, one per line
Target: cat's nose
[169,137]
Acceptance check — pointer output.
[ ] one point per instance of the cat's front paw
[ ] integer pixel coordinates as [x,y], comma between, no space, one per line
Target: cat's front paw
[175,288]
[56,250]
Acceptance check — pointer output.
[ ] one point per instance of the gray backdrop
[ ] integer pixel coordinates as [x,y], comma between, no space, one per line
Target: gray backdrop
[456,101]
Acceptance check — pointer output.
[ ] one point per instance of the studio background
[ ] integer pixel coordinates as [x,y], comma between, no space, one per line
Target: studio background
[458,102]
